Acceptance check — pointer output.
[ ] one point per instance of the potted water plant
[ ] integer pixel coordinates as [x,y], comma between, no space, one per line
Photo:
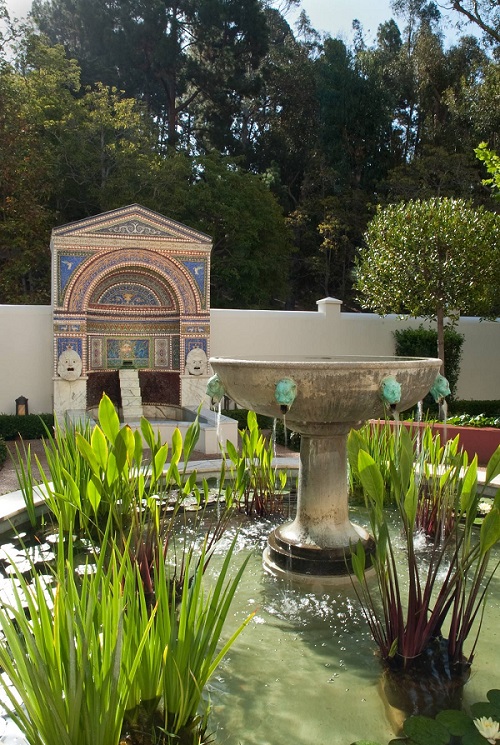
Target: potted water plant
[421,615]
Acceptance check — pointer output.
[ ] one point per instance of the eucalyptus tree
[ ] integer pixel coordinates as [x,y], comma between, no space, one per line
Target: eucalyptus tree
[171,55]
[485,14]
[431,258]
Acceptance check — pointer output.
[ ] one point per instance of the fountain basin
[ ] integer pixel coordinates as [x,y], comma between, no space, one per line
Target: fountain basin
[332,395]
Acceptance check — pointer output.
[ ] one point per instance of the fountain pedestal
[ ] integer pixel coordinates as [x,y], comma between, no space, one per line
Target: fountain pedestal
[317,542]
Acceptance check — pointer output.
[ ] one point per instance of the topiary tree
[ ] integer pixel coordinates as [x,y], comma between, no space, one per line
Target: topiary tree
[433,258]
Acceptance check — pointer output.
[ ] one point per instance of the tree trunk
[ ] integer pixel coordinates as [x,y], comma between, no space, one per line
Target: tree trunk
[440,338]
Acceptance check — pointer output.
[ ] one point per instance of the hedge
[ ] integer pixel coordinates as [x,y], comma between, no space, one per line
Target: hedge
[29,427]
[3,451]
[422,342]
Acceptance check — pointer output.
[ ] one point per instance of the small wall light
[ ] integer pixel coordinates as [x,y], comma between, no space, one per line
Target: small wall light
[21,406]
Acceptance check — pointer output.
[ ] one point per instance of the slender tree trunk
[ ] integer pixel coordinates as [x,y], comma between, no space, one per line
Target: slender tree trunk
[440,338]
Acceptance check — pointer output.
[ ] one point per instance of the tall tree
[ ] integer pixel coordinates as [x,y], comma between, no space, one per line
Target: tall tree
[431,258]
[168,54]
[483,13]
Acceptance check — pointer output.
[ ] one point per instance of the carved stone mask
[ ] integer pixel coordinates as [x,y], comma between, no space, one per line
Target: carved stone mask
[196,362]
[69,366]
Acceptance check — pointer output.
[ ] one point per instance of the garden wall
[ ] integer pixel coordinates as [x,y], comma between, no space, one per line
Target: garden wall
[26,341]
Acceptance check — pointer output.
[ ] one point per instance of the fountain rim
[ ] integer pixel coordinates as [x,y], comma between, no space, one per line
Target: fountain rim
[340,362]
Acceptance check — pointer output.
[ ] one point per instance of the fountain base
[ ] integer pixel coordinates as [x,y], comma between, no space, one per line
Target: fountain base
[310,563]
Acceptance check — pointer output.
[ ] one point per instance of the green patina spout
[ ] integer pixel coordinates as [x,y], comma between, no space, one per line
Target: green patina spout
[285,393]
[440,389]
[215,390]
[390,392]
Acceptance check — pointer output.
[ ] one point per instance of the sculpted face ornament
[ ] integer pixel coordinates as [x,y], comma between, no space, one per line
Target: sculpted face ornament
[196,362]
[69,365]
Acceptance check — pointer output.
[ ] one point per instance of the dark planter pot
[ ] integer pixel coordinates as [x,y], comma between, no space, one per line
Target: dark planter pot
[427,687]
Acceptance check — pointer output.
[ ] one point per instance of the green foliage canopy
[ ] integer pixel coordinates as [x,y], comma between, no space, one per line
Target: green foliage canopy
[424,256]
[431,258]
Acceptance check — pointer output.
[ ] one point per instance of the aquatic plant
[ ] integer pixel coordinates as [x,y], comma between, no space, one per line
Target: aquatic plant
[455,726]
[258,485]
[95,659]
[438,468]
[408,627]
[182,648]
[67,665]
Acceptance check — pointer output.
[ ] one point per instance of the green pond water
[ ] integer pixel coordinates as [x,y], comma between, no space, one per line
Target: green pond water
[305,670]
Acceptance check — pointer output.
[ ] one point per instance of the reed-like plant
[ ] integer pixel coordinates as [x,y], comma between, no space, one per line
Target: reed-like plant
[23,464]
[68,665]
[377,439]
[258,484]
[440,471]
[183,646]
[411,609]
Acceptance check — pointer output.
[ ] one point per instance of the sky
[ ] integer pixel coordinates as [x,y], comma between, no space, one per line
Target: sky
[331,16]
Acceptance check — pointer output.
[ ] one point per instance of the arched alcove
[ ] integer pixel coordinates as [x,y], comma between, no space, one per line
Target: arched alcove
[130,288]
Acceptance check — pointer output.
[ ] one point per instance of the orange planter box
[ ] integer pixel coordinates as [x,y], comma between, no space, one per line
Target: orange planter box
[481,440]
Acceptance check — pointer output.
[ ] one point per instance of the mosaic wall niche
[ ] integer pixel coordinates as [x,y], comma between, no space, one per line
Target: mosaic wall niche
[132,286]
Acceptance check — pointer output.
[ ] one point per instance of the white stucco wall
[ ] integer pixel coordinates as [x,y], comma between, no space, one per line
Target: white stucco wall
[330,332]
[26,344]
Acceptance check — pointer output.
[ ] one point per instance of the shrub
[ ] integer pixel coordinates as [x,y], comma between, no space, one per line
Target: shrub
[30,427]
[422,342]
[264,422]
[489,409]
[3,451]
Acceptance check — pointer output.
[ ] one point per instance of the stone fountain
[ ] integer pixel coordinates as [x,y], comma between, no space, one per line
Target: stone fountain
[322,399]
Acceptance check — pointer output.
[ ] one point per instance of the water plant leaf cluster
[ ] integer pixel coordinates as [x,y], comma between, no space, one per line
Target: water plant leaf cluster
[410,626]
[452,726]
[124,648]
[259,485]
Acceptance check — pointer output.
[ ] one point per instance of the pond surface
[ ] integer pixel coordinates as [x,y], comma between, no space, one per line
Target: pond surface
[305,670]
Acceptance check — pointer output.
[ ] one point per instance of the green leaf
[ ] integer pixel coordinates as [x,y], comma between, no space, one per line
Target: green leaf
[159,461]
[483,709]
[456,722]
[232,452]
[94,491]
[147,433]
[490,530]
[176,451]
[358,558]
[371,478]
[424,730]
[108,418]
[469,486]
[493,467]
[86,451]
[355,443]
[411,503]
[493,697]
[472,737]
[99,445]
